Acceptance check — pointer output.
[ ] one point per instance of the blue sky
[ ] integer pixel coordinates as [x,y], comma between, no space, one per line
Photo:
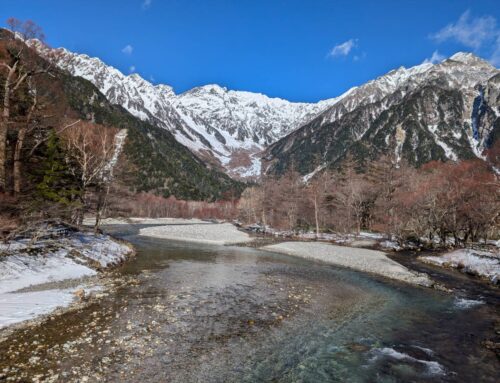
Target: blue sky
[295,49]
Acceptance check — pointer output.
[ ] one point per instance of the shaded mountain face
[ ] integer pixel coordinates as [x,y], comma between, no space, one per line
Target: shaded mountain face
[224,127]
[447,111]
[154,161]
[157,162]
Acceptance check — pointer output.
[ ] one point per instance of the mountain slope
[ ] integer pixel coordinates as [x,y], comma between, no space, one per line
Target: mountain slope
[159,163]
[225,127]
[446,111]
[155,161]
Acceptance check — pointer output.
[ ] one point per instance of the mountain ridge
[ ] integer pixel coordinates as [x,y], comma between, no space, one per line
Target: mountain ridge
[217,124]
[424,132]
[236,131]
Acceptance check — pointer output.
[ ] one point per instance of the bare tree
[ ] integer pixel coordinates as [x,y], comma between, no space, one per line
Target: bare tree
[317,189]
[18,68]
[23,68]
[91,149]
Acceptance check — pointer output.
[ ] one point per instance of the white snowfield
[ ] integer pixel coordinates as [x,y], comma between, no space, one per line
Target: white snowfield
[67,258]
[227,123]
[215,234]
[481,263]
[371,261]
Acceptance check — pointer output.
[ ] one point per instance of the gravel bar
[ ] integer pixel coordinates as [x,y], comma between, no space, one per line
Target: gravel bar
[215,234]
[365,260]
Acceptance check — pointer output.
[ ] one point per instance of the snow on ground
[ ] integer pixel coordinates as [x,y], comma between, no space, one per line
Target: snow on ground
[363,239]
[215,233]
[26,266]
[481,263]
[365,260]
[18,307]
[21,271]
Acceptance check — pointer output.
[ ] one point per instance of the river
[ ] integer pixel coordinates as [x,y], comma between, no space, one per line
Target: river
[200,313]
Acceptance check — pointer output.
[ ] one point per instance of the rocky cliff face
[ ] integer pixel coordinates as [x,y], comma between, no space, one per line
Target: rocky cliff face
[447,111]
[224,127]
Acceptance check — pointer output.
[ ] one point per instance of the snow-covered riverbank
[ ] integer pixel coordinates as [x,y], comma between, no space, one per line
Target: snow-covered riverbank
[211,233]
[36,278]
[480,263]
[371,261]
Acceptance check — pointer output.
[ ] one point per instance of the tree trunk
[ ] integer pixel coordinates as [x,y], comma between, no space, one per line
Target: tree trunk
[21,136]
[316,215]
[4,126]
[3,151]
[18,161]
[101,204]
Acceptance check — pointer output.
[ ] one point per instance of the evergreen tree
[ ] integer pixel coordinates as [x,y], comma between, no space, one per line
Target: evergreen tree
[56,185]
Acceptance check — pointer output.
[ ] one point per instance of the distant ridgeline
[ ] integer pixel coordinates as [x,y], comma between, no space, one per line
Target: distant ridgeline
[445,111]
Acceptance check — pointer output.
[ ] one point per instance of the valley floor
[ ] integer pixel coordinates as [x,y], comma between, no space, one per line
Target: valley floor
[204,312]
[40,277]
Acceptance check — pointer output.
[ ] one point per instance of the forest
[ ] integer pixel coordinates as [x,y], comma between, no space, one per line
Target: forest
[65,151]
[63,157]
[439,203]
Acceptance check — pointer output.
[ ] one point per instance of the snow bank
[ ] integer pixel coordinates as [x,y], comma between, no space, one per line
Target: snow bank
[18,307]
[24,266]
[481,263]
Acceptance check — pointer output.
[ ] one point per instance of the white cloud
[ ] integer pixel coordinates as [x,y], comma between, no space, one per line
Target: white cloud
[344,48]
[146,4]
[128,49]
[495,57]
[435,58]
[359,57]
[132,69]
[471,32]
[480,34]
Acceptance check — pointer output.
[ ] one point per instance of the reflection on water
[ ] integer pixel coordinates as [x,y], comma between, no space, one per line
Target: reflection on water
[227,314]
[337,325]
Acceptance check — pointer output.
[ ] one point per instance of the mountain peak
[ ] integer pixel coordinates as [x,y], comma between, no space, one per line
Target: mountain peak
[214,88]
[468,58]
[463,57]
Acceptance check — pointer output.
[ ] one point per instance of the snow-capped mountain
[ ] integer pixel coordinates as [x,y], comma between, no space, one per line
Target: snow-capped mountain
[444,111]
[437,111]
[225,127]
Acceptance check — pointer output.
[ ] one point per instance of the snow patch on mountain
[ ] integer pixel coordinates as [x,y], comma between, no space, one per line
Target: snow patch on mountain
[229,128]
[213,122]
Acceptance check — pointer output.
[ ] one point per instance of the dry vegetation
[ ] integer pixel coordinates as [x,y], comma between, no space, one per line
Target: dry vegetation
[437,202]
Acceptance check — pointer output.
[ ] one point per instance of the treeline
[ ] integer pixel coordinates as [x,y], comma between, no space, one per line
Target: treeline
[154,206]
[436,203]
[53,164]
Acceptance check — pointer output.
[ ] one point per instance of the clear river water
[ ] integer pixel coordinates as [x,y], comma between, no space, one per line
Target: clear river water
[200,313]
